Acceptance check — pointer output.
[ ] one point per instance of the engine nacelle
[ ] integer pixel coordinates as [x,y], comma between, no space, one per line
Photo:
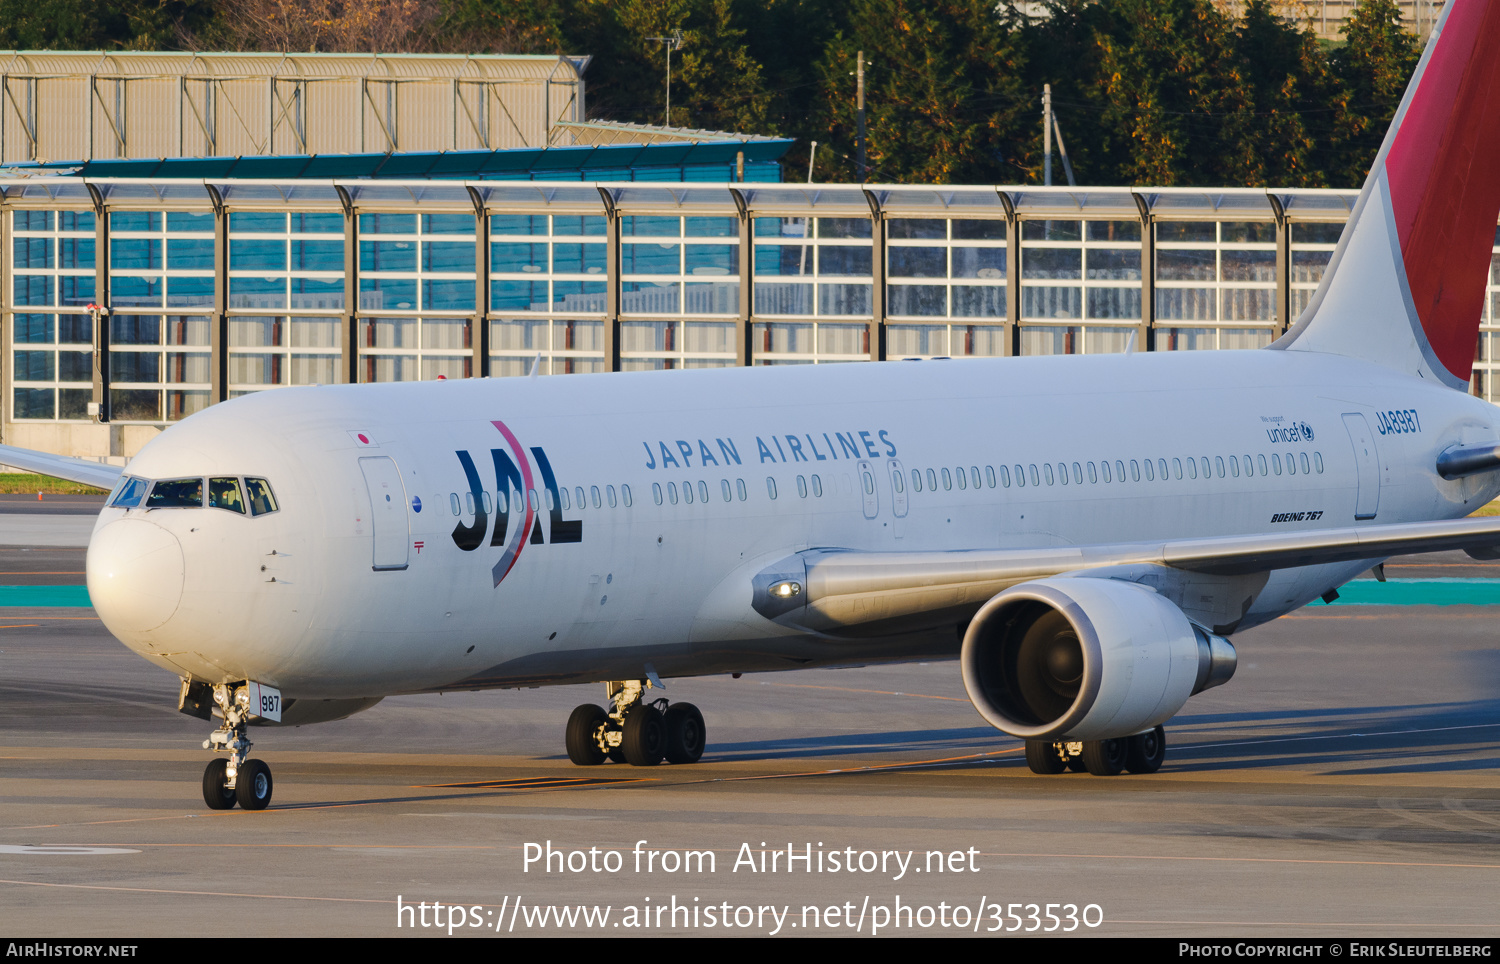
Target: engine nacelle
[1086,659]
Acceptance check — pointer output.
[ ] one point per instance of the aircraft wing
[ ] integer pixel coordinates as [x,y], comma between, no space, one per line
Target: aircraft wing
[838,591]
[61,467]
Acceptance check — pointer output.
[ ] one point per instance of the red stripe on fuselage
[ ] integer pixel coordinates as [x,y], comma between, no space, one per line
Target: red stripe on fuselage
[522,533]
[1443,169]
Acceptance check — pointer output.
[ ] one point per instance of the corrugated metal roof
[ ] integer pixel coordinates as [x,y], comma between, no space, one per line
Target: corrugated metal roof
[422,164]
[149,63]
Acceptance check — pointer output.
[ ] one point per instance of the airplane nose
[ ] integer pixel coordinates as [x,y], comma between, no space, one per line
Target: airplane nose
[134,574]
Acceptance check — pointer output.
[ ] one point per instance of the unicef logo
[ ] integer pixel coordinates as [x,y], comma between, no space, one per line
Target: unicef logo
[1306,430]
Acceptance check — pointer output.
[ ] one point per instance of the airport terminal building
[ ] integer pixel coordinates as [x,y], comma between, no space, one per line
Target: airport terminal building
[215,287]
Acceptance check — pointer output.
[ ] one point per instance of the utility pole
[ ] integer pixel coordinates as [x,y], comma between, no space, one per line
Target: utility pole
[1047,134]
[864,173]
[672,43]
[1050,127]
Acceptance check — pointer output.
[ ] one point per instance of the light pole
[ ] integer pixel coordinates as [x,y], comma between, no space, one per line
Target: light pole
[672,43]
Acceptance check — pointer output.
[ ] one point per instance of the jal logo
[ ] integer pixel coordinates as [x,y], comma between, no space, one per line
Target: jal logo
[516,516]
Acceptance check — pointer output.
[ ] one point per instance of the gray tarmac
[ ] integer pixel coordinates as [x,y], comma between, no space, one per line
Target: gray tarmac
[1343,784]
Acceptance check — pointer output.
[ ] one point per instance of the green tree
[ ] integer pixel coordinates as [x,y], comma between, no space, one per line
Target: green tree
[1294,103]
[90,25]
[942,91]
[1374,64]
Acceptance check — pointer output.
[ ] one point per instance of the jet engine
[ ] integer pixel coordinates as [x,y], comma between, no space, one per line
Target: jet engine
[1078,658]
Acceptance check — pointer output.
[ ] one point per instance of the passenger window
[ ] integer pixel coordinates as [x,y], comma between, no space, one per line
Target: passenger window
[1262,460]
[989,475]
[1005,476]
[702,491]
[1219,464]
[672,492]
[916,480]
[262,499]
[974,477]
[487,507]
[1135,471]
[582,502]
[225,494]
[609,495]
[739,485]
[502,499]
[1192,466]
[1119,470]
[1104,466]
[724,485]
[1291,464]
[1234,467]
[130,493]
[802,486]
[625,494]
[532,500]
[947,481]
[1150,474]
[176,494]
[1276,463]
[1303,457]
[594,491]
[771,486]
[899,481]
[1077,473]
[687,492]
[564,493]
[1318,461]
[1208,471]
[453,503]
[963,479]
[1161,469]
[1177,468]
[1047,468]
[932,480]
[1062,470]
[818,484]
[1093,475]
[1035,479]
[656,492]
[869,482]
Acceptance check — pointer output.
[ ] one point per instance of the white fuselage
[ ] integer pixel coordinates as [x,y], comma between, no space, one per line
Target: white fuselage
[312,598]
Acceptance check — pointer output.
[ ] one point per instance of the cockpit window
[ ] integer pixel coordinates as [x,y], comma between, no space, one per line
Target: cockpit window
[262,499]
[176,494]
[225,494]
[130,492]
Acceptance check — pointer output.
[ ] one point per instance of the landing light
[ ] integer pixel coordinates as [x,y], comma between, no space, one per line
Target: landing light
[787,589]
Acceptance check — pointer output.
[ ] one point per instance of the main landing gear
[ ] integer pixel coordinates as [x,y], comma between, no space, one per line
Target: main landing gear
[1142,753]
[236,779]
[634,731]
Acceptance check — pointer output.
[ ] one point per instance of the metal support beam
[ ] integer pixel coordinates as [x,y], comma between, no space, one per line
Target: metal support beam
[480,340]
[1284,317]
[1012,275]
[1143,338]
[744,326]
[101,297]
[349,322]
[877,270]
[218,336]
[612,272]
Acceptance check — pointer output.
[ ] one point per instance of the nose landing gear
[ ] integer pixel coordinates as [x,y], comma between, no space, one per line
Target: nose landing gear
[635,731]
[236,779]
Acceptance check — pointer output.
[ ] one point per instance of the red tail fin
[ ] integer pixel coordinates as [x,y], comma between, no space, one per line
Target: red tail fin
[1423,229]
